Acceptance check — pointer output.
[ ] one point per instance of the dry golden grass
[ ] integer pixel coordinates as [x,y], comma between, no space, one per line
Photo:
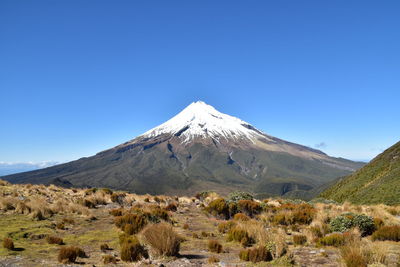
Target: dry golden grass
[162,238]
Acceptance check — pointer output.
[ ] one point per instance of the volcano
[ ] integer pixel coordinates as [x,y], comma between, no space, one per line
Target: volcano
[200,149]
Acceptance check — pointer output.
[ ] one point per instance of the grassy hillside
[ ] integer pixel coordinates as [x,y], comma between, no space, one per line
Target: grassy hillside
[377,182]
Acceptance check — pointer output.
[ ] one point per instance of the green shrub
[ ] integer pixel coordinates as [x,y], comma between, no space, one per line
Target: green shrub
[334,239]
[347,221]
[218,208]
[237,196]
[299,239]
[387,233]
[214,246]
[8,243]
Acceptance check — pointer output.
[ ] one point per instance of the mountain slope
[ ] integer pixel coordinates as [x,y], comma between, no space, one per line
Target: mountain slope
[199,149]
[377,182]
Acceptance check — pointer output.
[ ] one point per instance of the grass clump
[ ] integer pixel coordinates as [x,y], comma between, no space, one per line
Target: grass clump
[136,221]
[8,243]
[334,239]
[69,254]
[257,254]
[391,233]
[241,217]
[299,239]
[354,256]
[163,239]
[214,246]
[213,259]
[240,235]
[131,249]
[54,240]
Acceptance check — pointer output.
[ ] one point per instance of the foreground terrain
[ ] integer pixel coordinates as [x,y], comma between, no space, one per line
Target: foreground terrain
[53,226]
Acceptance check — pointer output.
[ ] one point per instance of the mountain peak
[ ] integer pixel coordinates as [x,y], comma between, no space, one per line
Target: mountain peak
[200,120]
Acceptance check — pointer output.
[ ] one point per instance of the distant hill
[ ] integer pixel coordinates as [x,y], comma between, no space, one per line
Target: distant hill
[200,149]
[11,168]
[377,182]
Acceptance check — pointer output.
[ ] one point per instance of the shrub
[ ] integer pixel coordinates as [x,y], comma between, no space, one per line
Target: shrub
[290,214]
[107,191]
[118,198]
[8,243]
[347,221]
[132,250]
[299,239]
[387,233]
[241,217]
[138,221]
[249,207]
[104,247]
[54,240]
[186,226]
[335,240]
[214,246]
[130,229]
[224,227]
[107,259]
[255,254]
[163,239]
[218,208]
[237,196]
[69,254]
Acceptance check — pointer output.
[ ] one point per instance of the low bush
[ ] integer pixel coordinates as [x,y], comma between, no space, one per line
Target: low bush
[54,240]
[391,233]
[8,243]
[347,221]
[238,195]
[257,254]
[69,254]
[163,239]
[299,239]
[137,222]
[132,250]
[249,207]
[290,214]
[214,246]
[60,226]
[107,259]
[118,198]
[335,240]
[186,226]
[218,208]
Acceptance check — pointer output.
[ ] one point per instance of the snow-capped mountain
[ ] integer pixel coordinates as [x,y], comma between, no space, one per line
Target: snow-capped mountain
[200,149]
[199,120]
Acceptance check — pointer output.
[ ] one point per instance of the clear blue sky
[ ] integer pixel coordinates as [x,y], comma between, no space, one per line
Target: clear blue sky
[77,77]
